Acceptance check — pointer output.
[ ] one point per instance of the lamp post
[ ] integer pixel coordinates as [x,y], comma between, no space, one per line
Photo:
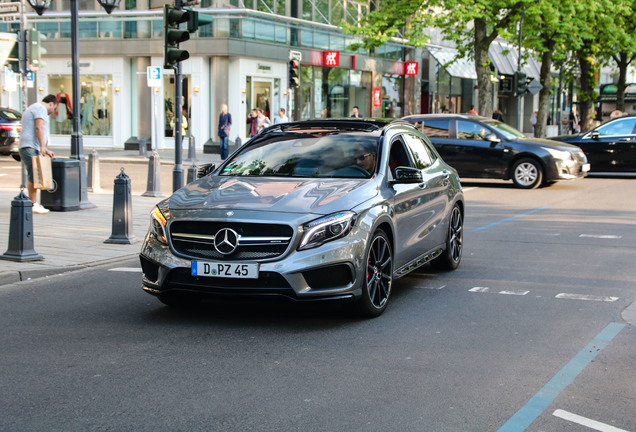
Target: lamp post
[77,146]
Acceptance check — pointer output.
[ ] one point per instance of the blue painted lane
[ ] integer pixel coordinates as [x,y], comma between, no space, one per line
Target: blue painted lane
[509,219]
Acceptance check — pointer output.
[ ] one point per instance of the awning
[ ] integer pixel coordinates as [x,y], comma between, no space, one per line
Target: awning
[457,67]
[505,58]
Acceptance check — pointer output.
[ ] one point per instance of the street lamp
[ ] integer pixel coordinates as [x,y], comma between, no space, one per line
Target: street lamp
[77,146]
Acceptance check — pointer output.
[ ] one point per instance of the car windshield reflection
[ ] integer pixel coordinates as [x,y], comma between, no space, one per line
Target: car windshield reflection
[507,131]
[304,155]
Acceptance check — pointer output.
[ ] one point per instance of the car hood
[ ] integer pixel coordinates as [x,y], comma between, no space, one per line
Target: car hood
[550,143]
[290,195]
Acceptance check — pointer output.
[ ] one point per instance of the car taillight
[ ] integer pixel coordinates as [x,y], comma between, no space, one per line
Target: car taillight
[10,127]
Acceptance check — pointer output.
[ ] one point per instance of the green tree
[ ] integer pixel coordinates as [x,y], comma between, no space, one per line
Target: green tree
[471,25]
[619,44]
[550,31]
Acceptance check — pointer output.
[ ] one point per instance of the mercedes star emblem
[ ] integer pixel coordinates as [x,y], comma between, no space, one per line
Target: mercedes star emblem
[226,241]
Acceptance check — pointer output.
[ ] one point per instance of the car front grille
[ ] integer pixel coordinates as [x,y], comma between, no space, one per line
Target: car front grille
[195,239]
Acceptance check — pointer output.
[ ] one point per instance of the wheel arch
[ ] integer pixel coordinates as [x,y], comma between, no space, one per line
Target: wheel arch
[525,155]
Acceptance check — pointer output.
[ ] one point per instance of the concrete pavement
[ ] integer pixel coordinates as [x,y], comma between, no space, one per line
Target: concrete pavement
[75,239]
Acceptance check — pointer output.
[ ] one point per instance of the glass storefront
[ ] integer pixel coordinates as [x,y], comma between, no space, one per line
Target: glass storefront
[95,104]
[333,92]
[169,105]
[392,91]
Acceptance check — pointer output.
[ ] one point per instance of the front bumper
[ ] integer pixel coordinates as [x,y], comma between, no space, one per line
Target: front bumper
[329,271]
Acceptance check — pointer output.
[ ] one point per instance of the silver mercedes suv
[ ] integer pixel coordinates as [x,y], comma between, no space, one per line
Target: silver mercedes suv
[312,210]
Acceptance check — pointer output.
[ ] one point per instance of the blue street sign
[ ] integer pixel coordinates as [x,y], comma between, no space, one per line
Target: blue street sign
[154,76]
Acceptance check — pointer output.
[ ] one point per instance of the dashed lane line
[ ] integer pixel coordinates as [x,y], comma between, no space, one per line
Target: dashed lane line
[126,269]
[586,297]
[583,421]
[504,292]
[601,236]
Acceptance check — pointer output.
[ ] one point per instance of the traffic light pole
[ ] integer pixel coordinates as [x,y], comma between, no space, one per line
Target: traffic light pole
[77,144]
[519,70]
[177,173]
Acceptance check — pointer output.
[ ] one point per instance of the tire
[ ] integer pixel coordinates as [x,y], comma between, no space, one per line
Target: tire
[16,156]
[452,255]
[378,277]
[527,173]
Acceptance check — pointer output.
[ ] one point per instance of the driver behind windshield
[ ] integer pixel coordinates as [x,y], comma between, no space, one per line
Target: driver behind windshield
[365,156]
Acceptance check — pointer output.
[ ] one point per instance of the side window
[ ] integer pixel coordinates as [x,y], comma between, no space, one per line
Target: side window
[398,156]
[625,126]
[470,130]
[422,155]
[436,128]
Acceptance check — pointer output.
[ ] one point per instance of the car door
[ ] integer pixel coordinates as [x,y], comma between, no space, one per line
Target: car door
[418,206]
[475,156]
[612,146]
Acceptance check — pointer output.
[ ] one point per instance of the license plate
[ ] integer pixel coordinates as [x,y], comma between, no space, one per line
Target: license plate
[585,167]
[224,270]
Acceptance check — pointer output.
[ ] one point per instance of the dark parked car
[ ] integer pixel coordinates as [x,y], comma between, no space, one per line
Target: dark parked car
[479,147]
[10,128]
[610,146]
[315,210]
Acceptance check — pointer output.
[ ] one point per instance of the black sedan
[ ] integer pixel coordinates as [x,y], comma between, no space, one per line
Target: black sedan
[10,132]
[610,147]
[479,147]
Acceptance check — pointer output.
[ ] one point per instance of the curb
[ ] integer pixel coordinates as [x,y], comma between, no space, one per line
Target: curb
[15,276]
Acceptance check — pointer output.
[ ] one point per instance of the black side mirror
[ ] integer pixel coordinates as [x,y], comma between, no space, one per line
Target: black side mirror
[594,135]
[205,169]
[408,175]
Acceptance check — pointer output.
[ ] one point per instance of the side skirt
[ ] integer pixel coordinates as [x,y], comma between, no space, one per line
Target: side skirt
[418,262]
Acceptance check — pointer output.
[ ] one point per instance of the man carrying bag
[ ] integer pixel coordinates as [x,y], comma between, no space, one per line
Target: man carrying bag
[34,141]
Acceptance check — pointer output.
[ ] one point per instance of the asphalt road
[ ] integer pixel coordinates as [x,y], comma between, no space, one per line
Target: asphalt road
[526,335]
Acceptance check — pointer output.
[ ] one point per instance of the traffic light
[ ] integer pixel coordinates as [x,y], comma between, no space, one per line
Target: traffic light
[13,61]
[173,36]
[294,73]
[36,51]
[520,84]
[197,20]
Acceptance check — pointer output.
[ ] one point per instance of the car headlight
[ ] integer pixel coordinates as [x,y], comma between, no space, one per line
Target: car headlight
[560,154]
[158,225]
[325,229]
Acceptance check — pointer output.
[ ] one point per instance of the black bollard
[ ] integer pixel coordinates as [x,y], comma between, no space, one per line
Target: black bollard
[153,188]
[122,211]
[92,177]
[21,231]
[142,147]
[192,150]
[192,173]
[237,143]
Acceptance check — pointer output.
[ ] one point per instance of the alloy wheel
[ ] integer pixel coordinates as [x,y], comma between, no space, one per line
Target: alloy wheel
[379,272]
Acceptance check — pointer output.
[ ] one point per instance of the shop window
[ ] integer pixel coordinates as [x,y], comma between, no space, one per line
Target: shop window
[169,105]
[95,108]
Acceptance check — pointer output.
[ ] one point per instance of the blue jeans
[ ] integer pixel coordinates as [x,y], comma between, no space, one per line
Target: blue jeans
[224,147]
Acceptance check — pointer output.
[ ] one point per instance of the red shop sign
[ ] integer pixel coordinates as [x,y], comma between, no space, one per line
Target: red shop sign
[331,58]
[377,97]
[410,68]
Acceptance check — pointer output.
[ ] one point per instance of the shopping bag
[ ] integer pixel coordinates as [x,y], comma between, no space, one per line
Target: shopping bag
[42,172]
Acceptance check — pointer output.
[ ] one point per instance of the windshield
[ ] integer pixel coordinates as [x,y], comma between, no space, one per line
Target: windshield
[307,155]
[507,131]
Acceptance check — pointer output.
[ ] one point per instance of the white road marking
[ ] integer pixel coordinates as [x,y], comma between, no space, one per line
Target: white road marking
[592,424]
[468,189]
[480,289]
[2,175]
[12,167]
[126,269]
[587,297]
[504,292]
[601,236]
[430,287]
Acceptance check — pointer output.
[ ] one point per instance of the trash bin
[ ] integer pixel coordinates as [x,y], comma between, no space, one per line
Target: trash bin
[65,193]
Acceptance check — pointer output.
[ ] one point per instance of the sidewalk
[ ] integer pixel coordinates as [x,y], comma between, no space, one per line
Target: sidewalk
[75,239]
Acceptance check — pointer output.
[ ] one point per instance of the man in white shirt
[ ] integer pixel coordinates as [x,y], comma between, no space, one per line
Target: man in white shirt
[34,140]
[282,118]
